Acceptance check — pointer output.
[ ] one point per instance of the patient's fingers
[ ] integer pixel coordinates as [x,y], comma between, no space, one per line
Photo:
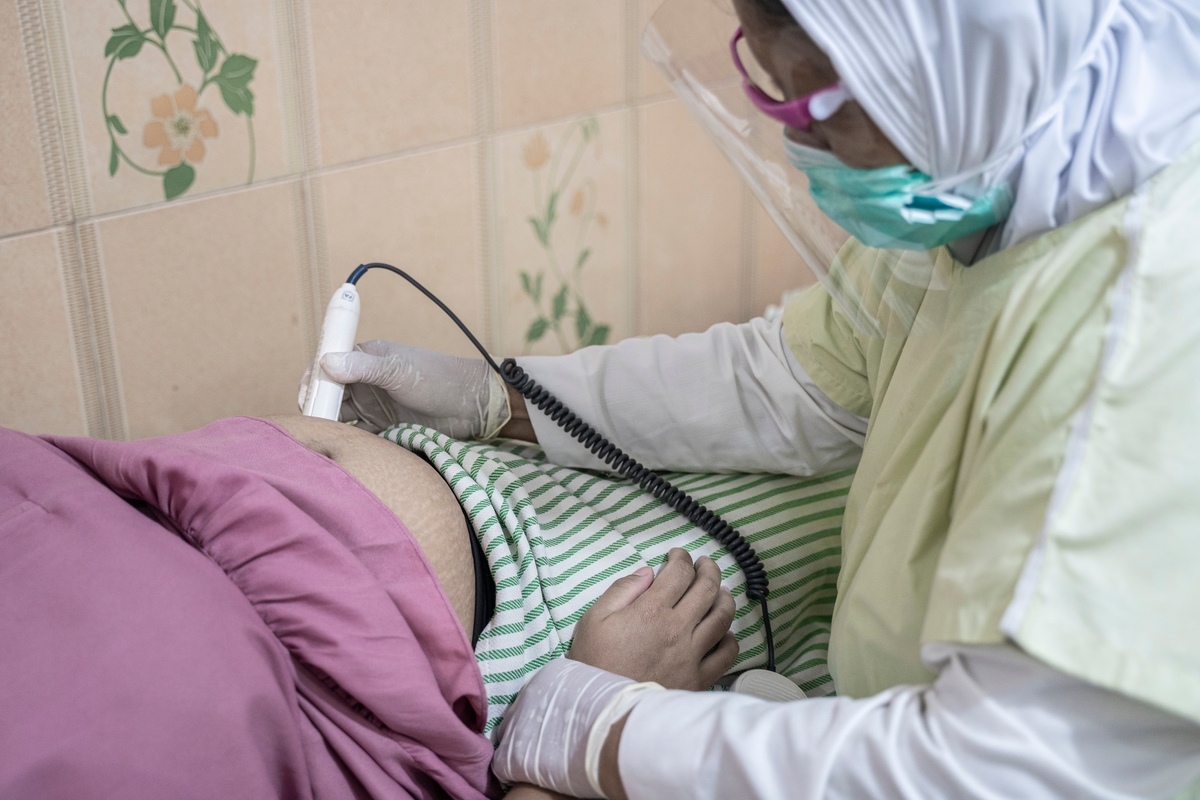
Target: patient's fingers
[719,661]
[673,579]
[622,592]
[702,592]
[716,622]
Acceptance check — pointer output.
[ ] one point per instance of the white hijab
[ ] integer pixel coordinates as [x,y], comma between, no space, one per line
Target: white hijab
[1079,101]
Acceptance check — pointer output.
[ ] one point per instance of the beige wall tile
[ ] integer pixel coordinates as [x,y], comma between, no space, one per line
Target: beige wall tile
[206,309]
[420,214]
[779,268]
[556,58]
[244,27]
[717,19]
[391,75]
[23,202]
[650,80]
[584,162]
[39,391]
[690,218]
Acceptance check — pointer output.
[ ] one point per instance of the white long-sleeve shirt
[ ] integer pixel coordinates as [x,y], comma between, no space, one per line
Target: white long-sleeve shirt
[733,399]
[995,724]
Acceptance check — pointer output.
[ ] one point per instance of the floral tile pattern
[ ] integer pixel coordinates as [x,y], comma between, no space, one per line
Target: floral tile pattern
[179,128]
[163,156]
[175,98]
[563,194]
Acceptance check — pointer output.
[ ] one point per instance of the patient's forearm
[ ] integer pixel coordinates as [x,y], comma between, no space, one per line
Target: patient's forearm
[519,426]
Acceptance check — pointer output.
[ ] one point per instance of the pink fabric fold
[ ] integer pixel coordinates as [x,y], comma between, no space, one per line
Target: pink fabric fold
[381,688]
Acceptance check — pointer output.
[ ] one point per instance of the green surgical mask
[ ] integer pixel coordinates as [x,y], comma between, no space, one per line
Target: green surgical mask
[895,207]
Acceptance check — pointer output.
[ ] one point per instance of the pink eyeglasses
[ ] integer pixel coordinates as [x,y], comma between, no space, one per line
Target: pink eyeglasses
[799,113]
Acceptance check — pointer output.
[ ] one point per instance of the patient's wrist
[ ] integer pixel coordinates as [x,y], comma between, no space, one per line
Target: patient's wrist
[610,772]
[519,425]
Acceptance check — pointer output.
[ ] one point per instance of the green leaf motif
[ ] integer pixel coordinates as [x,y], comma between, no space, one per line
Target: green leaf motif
[178,179]
[599,335]
[538,230]
[559,306]
[583,257]
[582,322]
[551,212]
[125,42]
[114,159]
[162,16]
[537,330]
[532,288]
[234,78]
[205,44]
[115,122]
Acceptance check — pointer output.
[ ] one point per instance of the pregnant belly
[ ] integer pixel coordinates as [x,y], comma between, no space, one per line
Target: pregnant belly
[412,489]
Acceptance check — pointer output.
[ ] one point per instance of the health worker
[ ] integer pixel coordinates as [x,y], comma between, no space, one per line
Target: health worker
[1007,347]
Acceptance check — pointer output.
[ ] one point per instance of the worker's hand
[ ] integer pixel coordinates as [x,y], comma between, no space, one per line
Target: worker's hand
[663,628]
[389,383]
[546,733]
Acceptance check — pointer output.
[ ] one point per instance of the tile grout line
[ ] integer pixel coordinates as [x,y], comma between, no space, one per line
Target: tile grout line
[633,87]
[91,406]
[45,111]
[100,323]
[315,260]
[92,257]
[86,298]
[284,23]
[484,103]
[297,175]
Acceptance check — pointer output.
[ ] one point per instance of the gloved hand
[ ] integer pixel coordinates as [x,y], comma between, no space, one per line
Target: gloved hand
[389,383]
[553,733]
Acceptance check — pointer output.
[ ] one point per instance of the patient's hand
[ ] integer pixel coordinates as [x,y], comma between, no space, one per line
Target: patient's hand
[662,629]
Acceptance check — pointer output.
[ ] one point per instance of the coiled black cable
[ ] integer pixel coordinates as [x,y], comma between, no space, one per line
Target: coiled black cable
[757,584]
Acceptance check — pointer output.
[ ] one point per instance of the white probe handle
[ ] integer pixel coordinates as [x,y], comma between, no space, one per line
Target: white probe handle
[324,398]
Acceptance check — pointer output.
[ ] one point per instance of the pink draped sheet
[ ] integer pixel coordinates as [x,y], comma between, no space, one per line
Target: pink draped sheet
[222,613]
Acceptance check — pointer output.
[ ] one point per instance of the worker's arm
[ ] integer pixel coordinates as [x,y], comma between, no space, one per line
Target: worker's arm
[731,399]
[995,724]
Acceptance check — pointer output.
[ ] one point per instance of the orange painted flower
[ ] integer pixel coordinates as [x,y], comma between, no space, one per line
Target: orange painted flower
[537,152]
[180,129]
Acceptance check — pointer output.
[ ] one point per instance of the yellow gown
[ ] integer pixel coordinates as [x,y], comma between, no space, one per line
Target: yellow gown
[1032,467]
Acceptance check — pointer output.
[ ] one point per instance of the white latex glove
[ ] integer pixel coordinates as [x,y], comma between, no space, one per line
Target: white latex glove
[389,383]
[553,733]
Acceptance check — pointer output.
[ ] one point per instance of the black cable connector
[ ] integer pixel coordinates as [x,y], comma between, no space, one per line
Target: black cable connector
[757,584]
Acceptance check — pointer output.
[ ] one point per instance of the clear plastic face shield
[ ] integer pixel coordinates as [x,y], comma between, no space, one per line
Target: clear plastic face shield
[690,42]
